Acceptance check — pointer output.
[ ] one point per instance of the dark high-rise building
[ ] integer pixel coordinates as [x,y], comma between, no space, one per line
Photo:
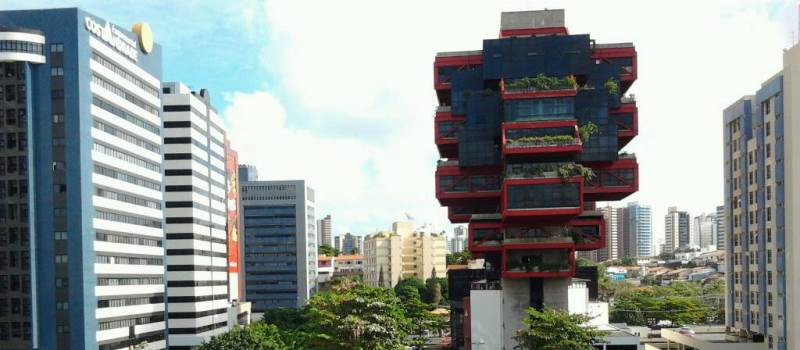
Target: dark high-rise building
[530,130]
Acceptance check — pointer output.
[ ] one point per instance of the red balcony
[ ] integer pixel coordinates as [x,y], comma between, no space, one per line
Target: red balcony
[533,32]
[446,127]
[466,186]
[627,119]
[521,262]
[613,181]
[623,53]
[546,138]
[463,214]
[485,236]
[448,62]
[542,199]
[516,93]
[588,231]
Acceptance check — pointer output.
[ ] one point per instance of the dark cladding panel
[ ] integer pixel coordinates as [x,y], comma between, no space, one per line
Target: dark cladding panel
[531,56]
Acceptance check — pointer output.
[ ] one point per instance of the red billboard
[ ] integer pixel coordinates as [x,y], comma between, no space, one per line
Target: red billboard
[234,224]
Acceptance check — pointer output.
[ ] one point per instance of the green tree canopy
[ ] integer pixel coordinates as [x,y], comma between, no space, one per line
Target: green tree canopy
[257,336]
[327,250]
[460,258]
[556,330]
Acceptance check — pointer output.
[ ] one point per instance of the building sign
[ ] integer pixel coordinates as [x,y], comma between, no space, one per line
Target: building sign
[113,37]
[234,224]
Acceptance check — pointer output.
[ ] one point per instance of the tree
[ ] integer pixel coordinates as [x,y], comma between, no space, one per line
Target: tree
[460,258]
[257,336]
[556,330]
[433,292]
[666,256]
[414,282]
[628,261]
[678,302]
[359,318]
[327,250]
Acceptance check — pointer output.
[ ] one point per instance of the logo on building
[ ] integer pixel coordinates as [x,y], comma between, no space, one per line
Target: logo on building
[142,30]
[113,37]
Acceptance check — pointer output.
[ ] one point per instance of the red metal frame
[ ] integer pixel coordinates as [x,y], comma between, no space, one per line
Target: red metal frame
[457,218]
[450,198]
[448,144]
[626,133]
[594,190]
[567,247]
[537,214]
[627,79]
[535,94]
[599,221]
[533,32]
[481,225]
[544,150]
[452,61]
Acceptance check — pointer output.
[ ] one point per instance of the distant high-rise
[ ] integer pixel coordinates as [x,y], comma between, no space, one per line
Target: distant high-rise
[402,253]
[705,226]
[337,243]
[677,232]
[720,231]
[324,231]
[248,172]
[280,243]
[611,250]
[640,224]
[459,240]
[352,244]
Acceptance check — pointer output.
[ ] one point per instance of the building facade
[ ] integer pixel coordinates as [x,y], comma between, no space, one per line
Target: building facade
[705,227]
[324,232]
[676,230]
[761,169]
[719,220]
[195,191]
[611,250]
[280,243]
[518,126]
[640,218]
[383,265]
[351,244]
[83,201]
[349,265]
[403,253]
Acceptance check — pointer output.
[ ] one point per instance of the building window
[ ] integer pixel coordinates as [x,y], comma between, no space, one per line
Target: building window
[769,256]
[769,278]
[765,106]
[61,259]
[60,235]
[769,234]
[769,301]
[58,118]
[768,128]
[56,48]
[769,150]
[57,71]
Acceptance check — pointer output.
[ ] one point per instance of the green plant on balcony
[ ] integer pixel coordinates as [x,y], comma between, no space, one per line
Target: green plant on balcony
[612,86]
[587,130]
[542,140]
[567,171]
[541,82]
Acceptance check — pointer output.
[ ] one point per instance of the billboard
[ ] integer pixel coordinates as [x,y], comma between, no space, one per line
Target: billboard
[234,228]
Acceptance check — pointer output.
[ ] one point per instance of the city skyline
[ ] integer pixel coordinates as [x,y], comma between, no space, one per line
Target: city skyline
[376,111]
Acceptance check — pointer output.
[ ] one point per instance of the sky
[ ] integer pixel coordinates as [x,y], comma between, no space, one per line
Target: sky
[340,92]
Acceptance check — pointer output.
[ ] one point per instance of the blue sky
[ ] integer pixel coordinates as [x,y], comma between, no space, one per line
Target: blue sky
[340,92]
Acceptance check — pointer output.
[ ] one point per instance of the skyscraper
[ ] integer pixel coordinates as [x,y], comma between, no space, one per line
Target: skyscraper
[352,244]
[196,215]
[82,205]
[761,205]
[705,226]
[676,230]
[640,226]
[611,250]
[720,220]
[518,125]
[280,244]
[324,231]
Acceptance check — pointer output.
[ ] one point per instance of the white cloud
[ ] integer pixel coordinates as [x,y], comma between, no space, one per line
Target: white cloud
[357,76]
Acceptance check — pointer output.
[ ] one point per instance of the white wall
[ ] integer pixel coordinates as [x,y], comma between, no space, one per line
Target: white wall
[486,319]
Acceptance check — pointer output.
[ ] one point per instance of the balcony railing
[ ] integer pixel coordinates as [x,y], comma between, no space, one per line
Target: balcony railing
[615,181]
[520,263]
[447,163]
[539,138]
[538,87]
[628,99]
[485,236]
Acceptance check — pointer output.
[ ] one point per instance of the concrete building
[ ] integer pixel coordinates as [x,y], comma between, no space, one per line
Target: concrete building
[248,172]
[402,253]
[705,227]
[720,219]
[324,232]
[459,241]
[81,245]
[280,243]
[349,265]
[496,127]
[761,204]
[196,215]
[424,255]
[611,250]
[635,229]
[676,230]
[383,263]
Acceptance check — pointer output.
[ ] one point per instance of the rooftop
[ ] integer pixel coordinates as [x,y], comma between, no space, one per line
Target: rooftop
[532,19]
